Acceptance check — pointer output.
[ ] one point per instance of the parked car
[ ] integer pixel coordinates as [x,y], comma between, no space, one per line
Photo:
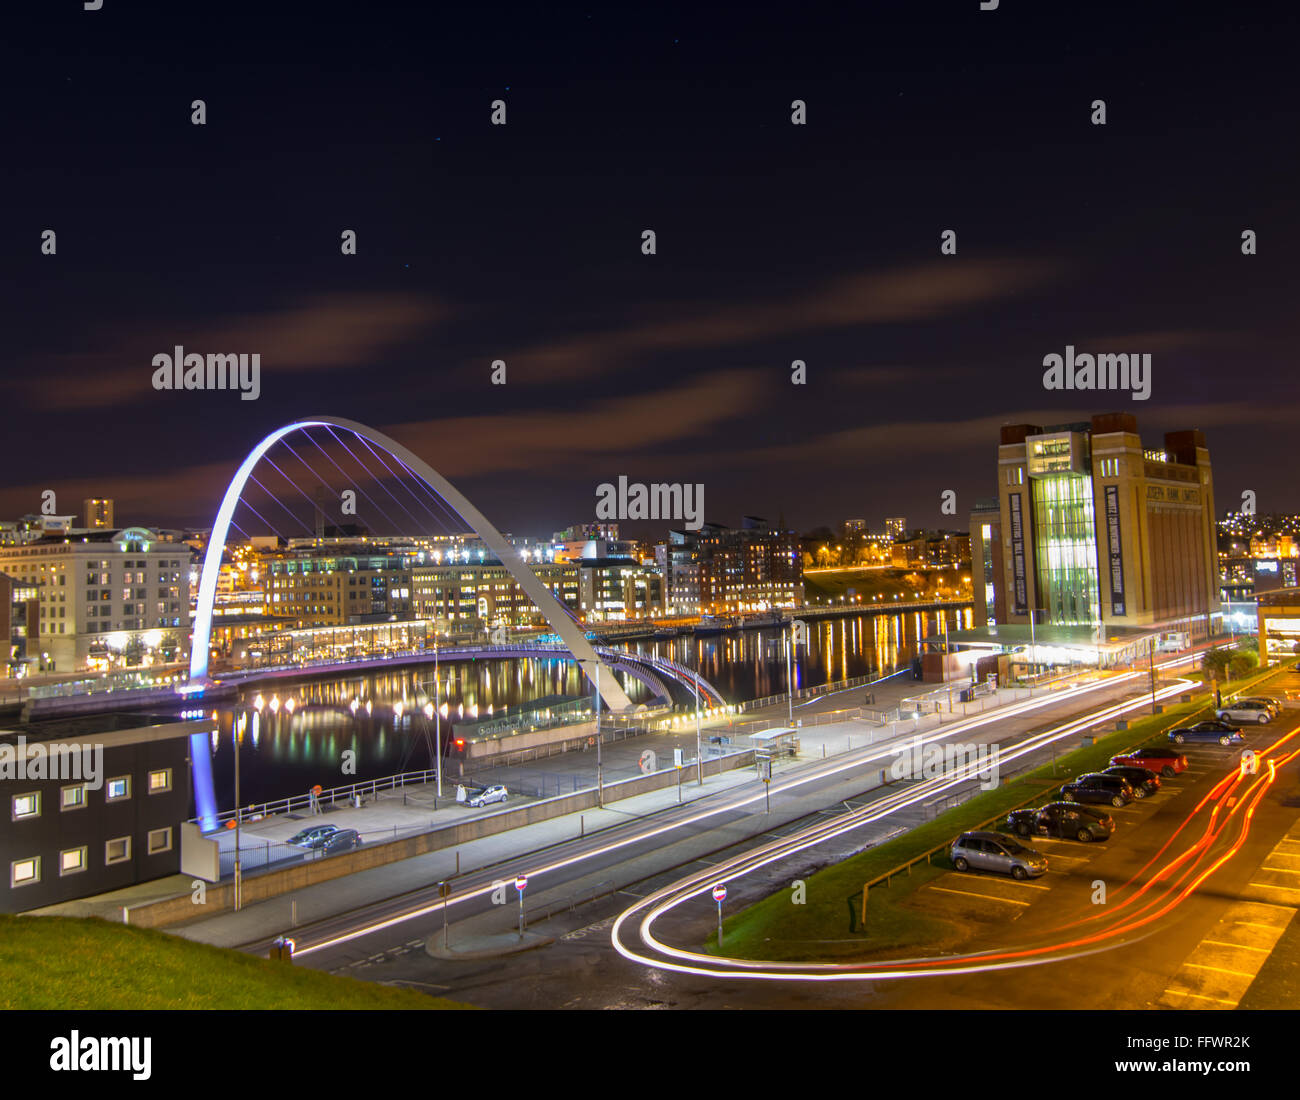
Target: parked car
[341,841]
[1274,707]
[999,852]
[1098,787]
[495,793]
[1211,732]
[1159,759]
[1143,780]
[307,837]
[1241,711]
[1068,820]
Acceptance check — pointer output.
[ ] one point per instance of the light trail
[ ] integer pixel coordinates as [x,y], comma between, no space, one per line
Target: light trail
[730,968]
[808,774]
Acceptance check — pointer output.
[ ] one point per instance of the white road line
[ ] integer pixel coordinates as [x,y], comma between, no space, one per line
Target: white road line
[1223,970]
[1238,946]
[985,897]
[1199,996]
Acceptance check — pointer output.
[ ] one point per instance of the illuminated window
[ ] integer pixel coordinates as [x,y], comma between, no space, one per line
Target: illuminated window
[72,798]
[72,860]
[160,781]
[26,805]
[118,789]
[24,872]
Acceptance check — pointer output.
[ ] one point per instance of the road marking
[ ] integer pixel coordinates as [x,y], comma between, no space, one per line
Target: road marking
[1239,946]
[1222,970]
[985,897]
[1280,870]
[1199,996]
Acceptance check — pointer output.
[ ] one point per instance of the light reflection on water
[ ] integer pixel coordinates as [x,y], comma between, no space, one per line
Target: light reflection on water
[285,753]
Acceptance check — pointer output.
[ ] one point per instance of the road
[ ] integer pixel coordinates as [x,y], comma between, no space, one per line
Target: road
[385,941]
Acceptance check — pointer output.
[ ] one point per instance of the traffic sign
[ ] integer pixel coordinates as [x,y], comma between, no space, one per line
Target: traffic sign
[520,882]
[719,893]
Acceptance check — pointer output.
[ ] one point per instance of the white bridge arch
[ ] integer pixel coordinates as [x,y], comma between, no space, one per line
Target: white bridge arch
[575,640]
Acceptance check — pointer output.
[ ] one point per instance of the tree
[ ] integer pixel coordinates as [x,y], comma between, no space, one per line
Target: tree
[1242,664]
[1214,664]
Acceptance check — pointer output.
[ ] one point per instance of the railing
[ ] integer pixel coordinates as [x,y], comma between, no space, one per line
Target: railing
[570,902]
[332,796]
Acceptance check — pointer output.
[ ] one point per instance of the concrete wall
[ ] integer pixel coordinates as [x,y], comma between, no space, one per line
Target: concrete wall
[313,871]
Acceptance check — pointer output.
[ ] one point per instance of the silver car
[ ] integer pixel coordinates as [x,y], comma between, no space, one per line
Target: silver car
[999,852]
[1244,711]
[495,793]
[1274,706]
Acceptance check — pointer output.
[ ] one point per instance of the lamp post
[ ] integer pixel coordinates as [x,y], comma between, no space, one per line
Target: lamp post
[234,739]
[600,770]
[437,715]
[699,752]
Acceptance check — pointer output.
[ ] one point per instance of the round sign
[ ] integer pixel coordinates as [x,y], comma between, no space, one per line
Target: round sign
[520,882]
[719,893]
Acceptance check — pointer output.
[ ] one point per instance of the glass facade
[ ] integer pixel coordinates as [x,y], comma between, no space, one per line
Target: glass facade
[1066,549]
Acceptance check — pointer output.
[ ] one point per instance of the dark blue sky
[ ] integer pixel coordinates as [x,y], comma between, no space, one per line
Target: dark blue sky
[522,243]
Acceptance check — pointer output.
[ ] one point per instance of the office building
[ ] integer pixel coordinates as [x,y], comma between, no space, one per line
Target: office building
[1094,529]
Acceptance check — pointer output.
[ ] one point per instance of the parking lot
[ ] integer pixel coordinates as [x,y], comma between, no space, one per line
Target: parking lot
[982,903]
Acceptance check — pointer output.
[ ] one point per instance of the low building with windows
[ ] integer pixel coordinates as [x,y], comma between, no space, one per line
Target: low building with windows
[92,805]
[1279,623]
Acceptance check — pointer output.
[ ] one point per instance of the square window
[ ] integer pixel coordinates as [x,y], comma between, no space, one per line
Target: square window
[73,798]
[160,781]
[160,840]
[118,789]
[117,851]
[24,872]
[27,805]
[72,860]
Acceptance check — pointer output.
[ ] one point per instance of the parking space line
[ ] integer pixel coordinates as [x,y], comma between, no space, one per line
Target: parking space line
[1271,905]
[1222,970]
[1238,946]
[1199,996]
[985,897]
[1280,870]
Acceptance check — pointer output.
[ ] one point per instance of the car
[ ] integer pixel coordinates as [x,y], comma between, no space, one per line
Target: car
[307,837]
[495,793]
[1156,757]
[1000,852]
[1098,787]
[1240,711]
[1068,820]
[1208,732]
[1143,780]
[1274,707]
[341,841]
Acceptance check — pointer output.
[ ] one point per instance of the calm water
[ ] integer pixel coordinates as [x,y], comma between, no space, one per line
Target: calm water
[286,753]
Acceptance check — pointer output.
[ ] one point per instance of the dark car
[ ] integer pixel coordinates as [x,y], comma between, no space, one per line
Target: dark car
[308,837]
[1209,732]
[1098,787]
[1067,820]
[1143,780]
[1159,759]
[341,841]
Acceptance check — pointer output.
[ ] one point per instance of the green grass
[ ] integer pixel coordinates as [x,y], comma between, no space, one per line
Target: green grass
[88,963]
[776,929]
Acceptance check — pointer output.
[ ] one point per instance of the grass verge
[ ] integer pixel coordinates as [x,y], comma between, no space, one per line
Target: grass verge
[88,963]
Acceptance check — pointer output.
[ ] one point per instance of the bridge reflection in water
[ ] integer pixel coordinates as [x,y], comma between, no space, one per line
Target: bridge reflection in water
[289,750]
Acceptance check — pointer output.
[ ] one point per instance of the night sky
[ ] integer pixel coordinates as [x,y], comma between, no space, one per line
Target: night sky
[523,243]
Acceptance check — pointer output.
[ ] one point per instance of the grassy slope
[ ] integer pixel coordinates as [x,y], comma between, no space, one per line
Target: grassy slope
[87,963]
[776,929]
